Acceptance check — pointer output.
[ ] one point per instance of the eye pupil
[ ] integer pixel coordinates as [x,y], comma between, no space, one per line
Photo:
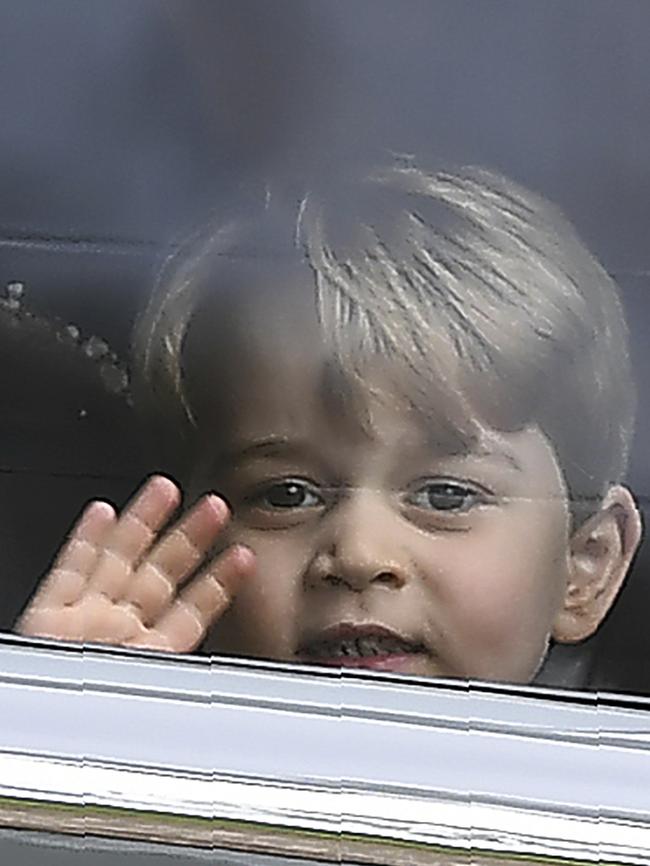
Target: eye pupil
[289,494]
[447,497]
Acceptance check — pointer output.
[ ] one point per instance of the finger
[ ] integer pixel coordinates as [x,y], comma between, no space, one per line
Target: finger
[61,589]
[176,557]
[87,536]
[143,517]
[204,600]
[133,535]
[66,582]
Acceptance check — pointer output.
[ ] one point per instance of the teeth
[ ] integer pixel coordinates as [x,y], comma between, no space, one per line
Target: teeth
[361,647]
[367,646]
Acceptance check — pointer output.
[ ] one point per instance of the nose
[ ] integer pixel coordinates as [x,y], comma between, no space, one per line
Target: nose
[360,547]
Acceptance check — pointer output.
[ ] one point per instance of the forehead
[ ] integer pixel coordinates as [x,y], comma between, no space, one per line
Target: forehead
[288,419]
[258,354]
[305,403]
[270,379]
[288,406]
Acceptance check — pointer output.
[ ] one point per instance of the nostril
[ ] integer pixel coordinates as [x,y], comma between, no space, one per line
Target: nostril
[333,580]
[360,580]
[387,578]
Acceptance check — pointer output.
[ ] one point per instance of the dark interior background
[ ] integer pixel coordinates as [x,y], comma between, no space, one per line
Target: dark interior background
[125,124]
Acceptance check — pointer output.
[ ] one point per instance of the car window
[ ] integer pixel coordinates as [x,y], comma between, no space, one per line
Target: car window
[77,267]
[173,177]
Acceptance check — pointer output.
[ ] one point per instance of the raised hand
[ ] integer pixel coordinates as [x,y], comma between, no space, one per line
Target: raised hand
[122,580]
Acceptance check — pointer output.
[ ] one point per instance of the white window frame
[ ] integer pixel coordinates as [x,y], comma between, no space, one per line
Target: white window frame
[315,763]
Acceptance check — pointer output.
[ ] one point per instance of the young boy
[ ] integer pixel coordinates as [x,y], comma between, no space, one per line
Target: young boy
[415,397]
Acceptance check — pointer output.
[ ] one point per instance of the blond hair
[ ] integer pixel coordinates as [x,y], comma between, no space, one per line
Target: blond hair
[478,291]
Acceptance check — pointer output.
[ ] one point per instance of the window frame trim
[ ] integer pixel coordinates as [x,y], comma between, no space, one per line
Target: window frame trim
[104,788]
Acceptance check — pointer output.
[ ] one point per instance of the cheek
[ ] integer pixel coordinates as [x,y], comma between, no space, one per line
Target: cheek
[499,586]
[264,618]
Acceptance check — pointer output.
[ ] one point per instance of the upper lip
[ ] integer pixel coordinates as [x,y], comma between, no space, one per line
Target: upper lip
[351,631]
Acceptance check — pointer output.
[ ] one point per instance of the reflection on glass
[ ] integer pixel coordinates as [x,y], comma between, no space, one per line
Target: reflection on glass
[412,389]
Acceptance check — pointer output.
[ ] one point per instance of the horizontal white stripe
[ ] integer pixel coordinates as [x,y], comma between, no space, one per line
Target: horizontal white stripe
[423,819]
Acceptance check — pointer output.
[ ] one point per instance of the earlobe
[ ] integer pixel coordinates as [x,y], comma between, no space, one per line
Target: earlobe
[601,551]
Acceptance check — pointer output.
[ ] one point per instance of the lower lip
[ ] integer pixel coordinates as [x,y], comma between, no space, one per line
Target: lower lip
[402,663]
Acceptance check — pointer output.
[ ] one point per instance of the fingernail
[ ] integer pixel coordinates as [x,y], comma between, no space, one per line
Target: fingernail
[99,506]
[217,504]
[161,483]
[244,554]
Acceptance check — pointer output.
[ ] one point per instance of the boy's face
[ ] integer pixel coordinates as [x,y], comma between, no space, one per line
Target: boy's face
[376,549]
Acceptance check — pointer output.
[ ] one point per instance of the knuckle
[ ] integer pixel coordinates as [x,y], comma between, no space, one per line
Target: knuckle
[77,550]
[113,562]
[81,546]
[181,550]
[62,573]
[152,577]
[217,588]
[133,521]
[132,613]
[191,609]
[194,552]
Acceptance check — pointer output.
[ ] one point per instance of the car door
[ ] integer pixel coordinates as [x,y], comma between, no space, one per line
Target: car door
[109,754]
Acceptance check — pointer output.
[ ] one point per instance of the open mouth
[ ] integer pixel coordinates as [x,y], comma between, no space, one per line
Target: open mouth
[362,646]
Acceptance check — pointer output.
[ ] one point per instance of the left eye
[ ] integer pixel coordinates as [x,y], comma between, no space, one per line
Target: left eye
[445,496]
[292,493]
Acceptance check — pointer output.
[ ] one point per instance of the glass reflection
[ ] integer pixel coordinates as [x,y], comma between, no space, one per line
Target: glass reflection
[410,392]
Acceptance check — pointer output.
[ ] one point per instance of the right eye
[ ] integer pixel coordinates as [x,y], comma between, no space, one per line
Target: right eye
[448,497]
[286,494]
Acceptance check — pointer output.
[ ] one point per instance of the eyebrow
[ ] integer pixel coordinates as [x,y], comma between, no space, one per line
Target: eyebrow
[481,452]
[269,446]
[507,456]
[471,446]
[283,446]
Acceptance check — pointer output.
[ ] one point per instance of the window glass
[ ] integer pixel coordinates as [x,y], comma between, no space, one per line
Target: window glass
[304,256]
[366,285]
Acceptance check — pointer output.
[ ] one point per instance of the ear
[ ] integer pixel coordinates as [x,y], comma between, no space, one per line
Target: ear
[601,550]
